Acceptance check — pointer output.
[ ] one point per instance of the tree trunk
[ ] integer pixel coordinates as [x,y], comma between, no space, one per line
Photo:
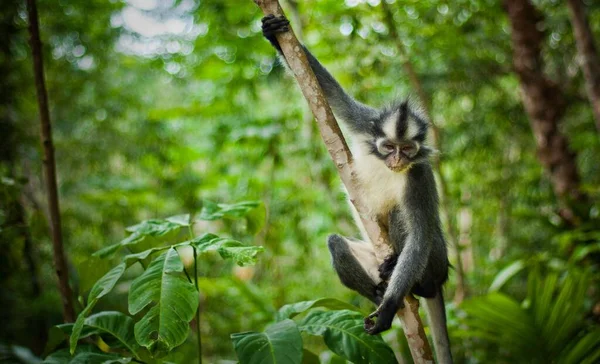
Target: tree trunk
[545,104]
[590,62]
[60,264]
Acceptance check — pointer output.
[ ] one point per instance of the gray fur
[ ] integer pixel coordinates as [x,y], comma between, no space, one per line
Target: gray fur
[355,114]
[437,322]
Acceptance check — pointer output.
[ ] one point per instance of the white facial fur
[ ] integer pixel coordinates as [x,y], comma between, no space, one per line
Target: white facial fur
[390,124]
[412,130]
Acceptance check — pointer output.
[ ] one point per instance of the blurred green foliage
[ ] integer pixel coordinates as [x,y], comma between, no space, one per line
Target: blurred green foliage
[158,106]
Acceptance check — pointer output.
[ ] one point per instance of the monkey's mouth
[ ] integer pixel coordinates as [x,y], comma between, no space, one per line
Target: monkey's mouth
[397,163]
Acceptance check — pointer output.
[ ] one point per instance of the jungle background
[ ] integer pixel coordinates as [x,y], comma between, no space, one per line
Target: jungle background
[159,107]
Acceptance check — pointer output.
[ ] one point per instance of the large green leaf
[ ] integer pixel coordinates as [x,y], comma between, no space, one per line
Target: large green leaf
[85,354]
[116,324]
[241,254]
[227,248]
[501,319]
[548,326]
[173,300]
[214,211]
[293,309]
[343,332]
[280,343]
[152,233]
[100,289]
[308,357]
[506,274]
[584,350]
[90,269]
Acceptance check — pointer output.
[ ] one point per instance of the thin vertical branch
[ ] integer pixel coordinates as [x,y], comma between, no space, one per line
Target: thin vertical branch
[452,235]
[590,62]
[191,232]
[340,153]
[60,264]
[197,308]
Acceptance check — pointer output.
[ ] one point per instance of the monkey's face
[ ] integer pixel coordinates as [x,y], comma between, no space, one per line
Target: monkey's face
[398,156]
[398,138]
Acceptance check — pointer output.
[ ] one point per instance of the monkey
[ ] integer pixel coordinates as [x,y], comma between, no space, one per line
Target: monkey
[394,174]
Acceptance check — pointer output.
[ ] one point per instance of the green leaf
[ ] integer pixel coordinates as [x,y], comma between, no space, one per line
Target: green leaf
[116,324]
[501,319]
[291,310]
[242,255]
[56,336]
[174,302]
[506,274]
[214,211]
[308,357]
[182,220]
[344,334]
[585,350]
[132,258]
[279,343]
[100,289]
[58,357]
[227,248]
[99,358]
[152,233]
[583,251]
[90,269]
[85,354]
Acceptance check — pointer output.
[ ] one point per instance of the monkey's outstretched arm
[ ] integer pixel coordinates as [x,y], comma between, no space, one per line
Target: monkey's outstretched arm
[357,115]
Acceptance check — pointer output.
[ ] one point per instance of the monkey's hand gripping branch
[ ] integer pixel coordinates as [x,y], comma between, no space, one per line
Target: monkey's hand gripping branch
[340,153]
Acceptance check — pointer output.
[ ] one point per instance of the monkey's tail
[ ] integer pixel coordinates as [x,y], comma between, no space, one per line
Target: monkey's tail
[436,312]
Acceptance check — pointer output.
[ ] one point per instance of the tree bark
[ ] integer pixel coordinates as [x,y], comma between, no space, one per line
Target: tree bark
[452,236]
[590,62]
[60,264]
[545,104]
[342,157]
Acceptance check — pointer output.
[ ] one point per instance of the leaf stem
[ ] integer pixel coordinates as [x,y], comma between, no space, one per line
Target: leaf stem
[197,290]
[198,308]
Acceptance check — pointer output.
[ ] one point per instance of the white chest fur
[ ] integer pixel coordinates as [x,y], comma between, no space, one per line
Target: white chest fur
[380,187]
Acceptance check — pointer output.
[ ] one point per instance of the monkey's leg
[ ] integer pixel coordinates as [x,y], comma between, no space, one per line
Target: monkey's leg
[356,265]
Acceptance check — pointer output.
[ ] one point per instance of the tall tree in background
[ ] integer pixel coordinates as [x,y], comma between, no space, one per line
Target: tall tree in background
[18,261]
[545,104]
[60,264]
[590,62]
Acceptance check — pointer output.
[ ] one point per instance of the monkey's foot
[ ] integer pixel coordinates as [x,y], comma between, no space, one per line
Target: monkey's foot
[385,315]
[387,267]
[380,291]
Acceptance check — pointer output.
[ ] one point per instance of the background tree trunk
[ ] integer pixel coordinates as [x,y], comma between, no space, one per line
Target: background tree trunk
[545,104]
[60,264]
[590,63]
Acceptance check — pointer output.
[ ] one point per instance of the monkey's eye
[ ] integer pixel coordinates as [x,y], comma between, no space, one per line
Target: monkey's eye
[388,147]
[408,150]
